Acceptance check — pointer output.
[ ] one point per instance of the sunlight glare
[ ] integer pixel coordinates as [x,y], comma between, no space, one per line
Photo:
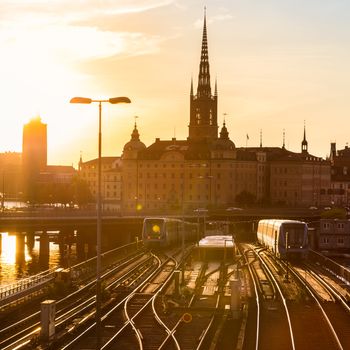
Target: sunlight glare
[8,251]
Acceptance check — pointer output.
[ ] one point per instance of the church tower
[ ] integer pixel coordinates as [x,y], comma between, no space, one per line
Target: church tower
[203,106]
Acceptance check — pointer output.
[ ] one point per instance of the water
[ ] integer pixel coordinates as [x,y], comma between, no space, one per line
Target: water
[14,204]
[20,259]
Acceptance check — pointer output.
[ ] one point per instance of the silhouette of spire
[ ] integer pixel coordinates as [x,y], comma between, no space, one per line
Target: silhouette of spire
[204,75]
[260,138]
[80,165]
[191,92]
[304,142]
[135,133]
[224,132]
[216,87]
[203,106]
[284,140]
[224,114]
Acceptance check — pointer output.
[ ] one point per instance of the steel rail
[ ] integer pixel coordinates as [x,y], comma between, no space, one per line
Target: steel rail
[72,295]
[129,322]
[257,301]
[63,319]
[331,289]
[206,331]
[314,296]
[104,317]
[282,298]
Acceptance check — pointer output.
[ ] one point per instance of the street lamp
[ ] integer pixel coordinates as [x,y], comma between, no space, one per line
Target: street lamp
[113,100]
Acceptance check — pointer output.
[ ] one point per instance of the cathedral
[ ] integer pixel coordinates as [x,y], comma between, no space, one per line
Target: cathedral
[207,170]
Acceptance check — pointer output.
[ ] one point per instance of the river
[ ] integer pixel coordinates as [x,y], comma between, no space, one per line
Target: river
[18,259]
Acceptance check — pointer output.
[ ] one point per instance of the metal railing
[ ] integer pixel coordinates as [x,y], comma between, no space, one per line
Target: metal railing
[77,273]
[14,289]
[342,272]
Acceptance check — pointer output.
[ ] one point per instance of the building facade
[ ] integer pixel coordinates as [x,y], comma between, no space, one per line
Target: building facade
[10,176]
[334,234]
[340,175]
[207,170]
[111,188]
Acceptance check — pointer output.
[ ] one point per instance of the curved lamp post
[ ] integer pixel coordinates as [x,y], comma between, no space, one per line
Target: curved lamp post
[85,100]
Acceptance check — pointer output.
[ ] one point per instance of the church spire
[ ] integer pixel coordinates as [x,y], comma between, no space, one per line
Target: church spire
[304,142]
[191,92]
[135,136]
[204,75]
[203,105]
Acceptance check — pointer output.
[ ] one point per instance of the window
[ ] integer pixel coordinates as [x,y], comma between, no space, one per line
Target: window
[340,241]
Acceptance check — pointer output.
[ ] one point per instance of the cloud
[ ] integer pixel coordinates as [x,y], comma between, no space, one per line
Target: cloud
[67,10]
[60,30]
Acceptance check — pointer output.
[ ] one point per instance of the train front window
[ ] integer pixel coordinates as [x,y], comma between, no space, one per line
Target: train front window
[296,235]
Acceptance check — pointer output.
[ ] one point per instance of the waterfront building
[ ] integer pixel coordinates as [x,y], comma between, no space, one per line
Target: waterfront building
[111,188]
[10,175]
[340,176]
[334,234]
[34,156]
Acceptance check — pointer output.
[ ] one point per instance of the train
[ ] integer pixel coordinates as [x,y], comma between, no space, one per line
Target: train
[159,232]
[285,238]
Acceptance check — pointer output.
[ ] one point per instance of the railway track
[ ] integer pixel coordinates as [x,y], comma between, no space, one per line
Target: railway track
[303,307]
[331,301]
[269,327]
[75,309]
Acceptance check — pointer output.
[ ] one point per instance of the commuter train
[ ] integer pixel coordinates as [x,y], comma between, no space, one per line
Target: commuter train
[285,238]
[160,232]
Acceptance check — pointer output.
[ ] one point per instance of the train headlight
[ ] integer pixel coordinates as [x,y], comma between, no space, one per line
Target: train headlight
[155,228]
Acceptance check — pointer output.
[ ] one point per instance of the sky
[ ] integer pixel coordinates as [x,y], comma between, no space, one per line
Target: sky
[278,63]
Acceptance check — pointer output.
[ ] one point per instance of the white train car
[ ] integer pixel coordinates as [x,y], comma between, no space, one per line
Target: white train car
[284,237]
[216,247]
[160,232]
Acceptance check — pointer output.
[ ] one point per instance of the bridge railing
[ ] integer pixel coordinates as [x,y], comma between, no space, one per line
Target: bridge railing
[340,271]
[77,273]
[8,291]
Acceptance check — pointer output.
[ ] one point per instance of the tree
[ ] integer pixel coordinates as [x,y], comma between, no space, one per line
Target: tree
[245,198]
[335,213]
[82,191]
